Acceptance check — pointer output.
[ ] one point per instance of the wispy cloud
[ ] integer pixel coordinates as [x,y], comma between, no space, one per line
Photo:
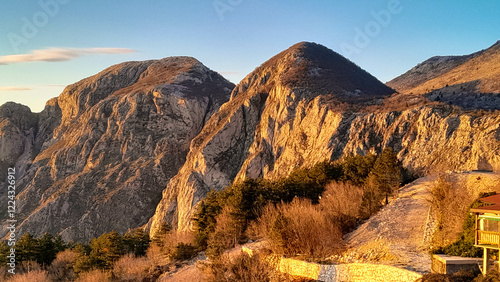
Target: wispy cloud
[14,88]
[59,54]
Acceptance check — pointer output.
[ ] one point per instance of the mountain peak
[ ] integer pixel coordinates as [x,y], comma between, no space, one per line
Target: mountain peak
[187,75]
[317,70]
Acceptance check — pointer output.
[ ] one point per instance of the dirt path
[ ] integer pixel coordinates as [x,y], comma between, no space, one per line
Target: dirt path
[400,233]
[398,229]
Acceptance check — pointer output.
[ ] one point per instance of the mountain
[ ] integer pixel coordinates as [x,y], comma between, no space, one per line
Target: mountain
[470,81]
[99,155]
[141,143]
[18,127]
[303,106]
[278,118]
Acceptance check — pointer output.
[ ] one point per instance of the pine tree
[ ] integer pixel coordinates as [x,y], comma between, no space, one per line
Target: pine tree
[46,249]
[4,252]
[106,250]
[372,198]
[386,173]
[26,248]
[136,241]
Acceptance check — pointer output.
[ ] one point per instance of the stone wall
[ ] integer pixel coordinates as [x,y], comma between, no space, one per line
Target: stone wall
[373,272]
[363,272]
[347,272]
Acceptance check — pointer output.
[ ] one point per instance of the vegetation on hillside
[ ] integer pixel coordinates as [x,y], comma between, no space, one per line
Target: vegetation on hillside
[223,218]
[305,213]
[464,245]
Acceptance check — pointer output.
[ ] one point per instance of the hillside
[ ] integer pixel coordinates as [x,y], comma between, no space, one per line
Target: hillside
[97,158]
[401,233]
[273,124]
[143,142]
[277,119]
[470,81]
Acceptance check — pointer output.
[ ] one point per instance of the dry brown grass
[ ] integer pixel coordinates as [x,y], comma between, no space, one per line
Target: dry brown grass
[96,275]
[131,268]
[61,268]
[227,233]
[343,201]
[156,255]
[373,252]
[449,202]
[174,238]
[31,276]
[241,268]
[300,228]
[178,245]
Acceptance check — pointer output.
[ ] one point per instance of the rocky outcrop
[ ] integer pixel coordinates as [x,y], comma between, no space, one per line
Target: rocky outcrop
[274,123]
[18,127]
[141,136]
[278,118]
[109,144]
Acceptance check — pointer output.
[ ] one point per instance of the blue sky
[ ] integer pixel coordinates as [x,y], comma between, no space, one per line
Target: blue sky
[48,44]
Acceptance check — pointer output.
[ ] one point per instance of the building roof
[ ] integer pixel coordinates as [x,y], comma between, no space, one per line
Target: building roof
[493,208]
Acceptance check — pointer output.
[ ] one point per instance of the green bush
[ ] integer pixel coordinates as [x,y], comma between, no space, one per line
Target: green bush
[136,242]
[464,246]
[183,252]
[43,250]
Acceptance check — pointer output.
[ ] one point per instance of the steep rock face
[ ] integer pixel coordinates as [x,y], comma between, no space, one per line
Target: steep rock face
[275,114]
[18,129]
[118,138]
[273,124]
[18,126]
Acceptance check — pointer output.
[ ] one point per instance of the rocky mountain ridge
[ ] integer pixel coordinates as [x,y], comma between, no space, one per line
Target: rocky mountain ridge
[101,153]
[272,125]
[470,81]
[159,135]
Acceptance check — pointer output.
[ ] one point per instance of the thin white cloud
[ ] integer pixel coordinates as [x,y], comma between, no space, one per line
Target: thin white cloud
[14,88]
[59,54]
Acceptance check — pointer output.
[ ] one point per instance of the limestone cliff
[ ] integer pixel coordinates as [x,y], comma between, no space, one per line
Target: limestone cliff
[141,136]
[309,104]
[278,118]
[103,151]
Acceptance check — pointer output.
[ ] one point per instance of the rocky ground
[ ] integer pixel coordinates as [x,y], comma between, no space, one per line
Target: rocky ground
[396,234]
[401,233]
